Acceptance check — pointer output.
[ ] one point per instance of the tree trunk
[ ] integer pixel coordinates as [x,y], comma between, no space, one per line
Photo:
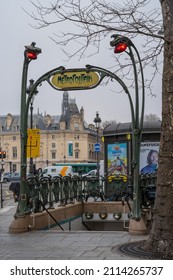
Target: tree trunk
[161,236]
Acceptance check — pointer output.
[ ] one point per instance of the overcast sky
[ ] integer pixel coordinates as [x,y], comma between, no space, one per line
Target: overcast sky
[16,32]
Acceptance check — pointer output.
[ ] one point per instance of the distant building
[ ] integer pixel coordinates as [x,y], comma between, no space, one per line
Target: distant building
[64,138]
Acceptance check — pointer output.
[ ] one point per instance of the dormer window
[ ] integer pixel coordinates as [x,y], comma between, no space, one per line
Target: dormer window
[76,126]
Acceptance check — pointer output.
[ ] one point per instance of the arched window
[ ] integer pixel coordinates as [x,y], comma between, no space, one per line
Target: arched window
[76,126]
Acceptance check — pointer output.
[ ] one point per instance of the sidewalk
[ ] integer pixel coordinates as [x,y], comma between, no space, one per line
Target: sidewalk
[59,245]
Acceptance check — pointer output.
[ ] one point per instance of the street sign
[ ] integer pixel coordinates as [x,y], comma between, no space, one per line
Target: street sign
[33,143]
[97,147]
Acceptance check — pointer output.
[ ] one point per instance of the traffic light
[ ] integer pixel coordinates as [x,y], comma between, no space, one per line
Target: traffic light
[121,47]
[2,154]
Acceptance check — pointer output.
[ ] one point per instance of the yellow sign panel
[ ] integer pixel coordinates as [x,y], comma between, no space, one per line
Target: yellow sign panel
[75,80]
[33,143]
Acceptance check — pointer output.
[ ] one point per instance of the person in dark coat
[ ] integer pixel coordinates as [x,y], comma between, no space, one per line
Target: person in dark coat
[15,188]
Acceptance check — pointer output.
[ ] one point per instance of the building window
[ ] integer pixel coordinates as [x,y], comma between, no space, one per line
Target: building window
[70,149]
[76,145]
[53,155]
[14,167]
[54,127]
[53,137]
[53,145]
[76,126]
[14,138]
[76,154]
[14,152]
[15,128]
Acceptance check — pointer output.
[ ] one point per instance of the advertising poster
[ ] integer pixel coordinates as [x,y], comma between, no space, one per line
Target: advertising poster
[117,159]
[149,157]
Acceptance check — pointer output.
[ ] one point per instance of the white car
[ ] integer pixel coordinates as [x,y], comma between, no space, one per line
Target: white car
[90,174]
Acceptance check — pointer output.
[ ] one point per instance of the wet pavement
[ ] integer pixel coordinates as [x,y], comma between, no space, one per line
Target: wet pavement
[78,243]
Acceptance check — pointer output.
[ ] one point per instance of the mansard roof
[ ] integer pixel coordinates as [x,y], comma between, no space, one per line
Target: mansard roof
[45,122]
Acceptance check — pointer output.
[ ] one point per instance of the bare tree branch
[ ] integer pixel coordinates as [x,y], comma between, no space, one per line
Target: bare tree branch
[88,23]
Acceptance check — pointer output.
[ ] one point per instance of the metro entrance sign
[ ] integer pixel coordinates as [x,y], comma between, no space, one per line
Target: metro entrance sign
[74,79]
[97,147]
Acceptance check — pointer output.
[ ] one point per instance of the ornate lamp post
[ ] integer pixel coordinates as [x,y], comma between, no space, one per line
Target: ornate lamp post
[2,162]
[97,121]
[1,173]
[121,44]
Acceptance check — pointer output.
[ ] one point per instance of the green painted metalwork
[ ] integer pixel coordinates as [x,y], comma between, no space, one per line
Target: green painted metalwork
[59,191]
[137,124]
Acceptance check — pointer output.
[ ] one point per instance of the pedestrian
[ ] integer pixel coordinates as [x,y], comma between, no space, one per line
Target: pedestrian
[15,188]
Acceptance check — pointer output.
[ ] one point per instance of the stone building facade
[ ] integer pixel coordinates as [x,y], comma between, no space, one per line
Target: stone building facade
[64,138]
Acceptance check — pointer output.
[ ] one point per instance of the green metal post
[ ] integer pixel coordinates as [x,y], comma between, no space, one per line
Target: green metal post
[136,212]
[22,205]
[30,53]
[137,124]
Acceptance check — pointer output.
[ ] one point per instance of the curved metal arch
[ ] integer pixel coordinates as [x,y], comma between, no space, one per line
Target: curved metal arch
[102,72]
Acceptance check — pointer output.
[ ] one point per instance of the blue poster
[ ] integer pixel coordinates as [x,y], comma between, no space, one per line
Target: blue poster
[117,159]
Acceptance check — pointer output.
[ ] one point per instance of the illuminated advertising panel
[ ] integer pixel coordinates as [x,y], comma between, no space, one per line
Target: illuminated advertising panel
[149,157]
[117,159]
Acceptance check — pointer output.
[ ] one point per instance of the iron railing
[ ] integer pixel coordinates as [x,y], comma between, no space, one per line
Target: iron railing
[60,191]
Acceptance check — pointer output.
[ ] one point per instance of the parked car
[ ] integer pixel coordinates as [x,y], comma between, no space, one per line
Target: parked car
[3,174]
[90,174]
[6,174]
[10,177]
